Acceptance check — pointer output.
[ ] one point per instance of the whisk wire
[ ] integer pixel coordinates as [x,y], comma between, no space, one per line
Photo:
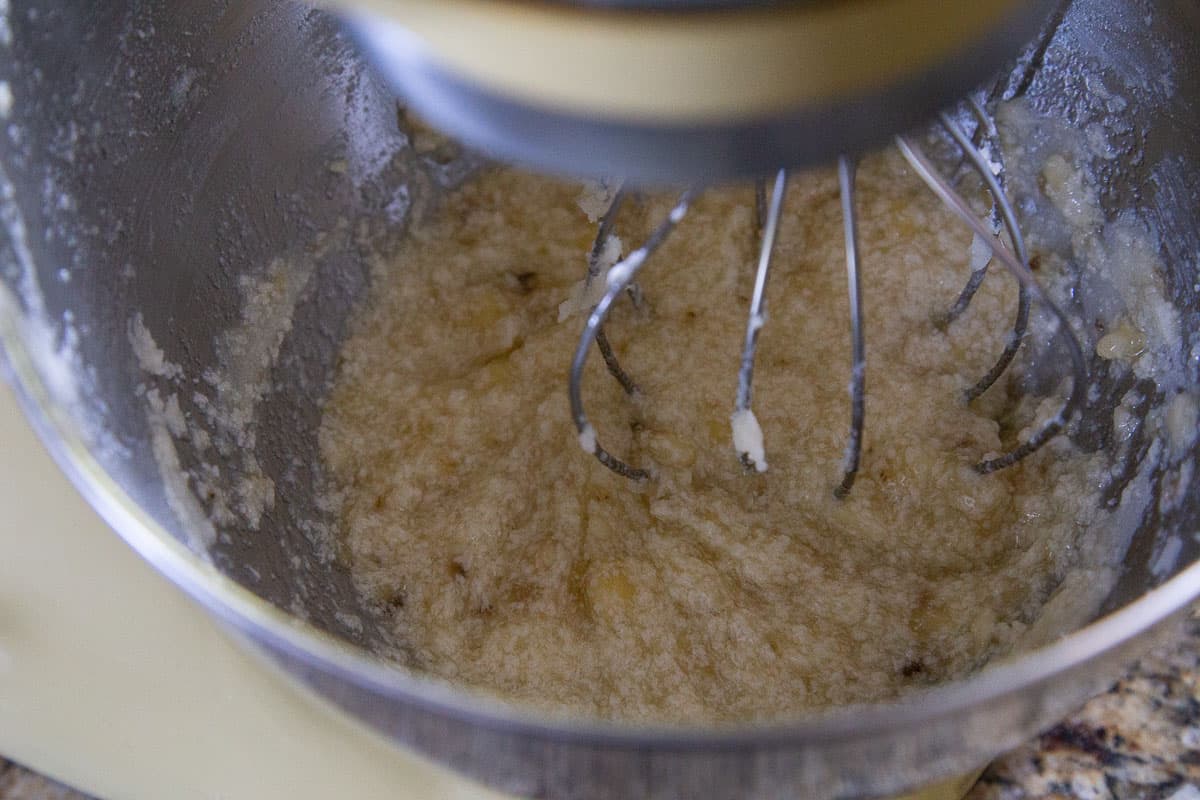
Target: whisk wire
[1079,371]
[963,302]
[607,222]
[750,450]
[1009,217]
[858,371]
[618,278]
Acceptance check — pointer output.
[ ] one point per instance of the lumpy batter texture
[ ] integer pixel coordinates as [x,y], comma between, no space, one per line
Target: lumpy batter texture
[510,560]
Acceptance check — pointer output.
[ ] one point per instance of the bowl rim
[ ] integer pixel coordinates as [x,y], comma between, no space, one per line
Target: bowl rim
[266,624]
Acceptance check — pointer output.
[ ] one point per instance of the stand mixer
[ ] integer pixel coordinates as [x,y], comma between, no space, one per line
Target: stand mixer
[159,158]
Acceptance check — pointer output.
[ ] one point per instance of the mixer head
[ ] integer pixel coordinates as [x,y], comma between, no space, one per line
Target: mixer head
[685,90]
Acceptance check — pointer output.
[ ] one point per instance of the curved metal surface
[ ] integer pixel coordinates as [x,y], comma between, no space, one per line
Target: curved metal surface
[557,140]
[159,156]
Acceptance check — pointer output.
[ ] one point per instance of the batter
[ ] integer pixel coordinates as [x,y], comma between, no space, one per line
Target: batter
[509,560]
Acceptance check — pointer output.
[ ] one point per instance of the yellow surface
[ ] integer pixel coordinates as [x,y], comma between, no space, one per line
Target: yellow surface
[698,66]
[113,682]
[949,789]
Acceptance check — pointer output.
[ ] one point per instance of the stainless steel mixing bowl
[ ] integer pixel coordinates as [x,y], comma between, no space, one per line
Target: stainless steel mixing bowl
[161,161]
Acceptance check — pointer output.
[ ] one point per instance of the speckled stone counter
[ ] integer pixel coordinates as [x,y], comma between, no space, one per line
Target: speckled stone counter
[1139,741]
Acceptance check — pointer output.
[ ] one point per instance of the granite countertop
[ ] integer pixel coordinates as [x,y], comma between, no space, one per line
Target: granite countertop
[1138,741]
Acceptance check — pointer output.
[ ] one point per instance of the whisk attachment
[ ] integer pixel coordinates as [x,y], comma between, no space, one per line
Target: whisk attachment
[858,370]
[619,276]
[747,434]
[1020,270]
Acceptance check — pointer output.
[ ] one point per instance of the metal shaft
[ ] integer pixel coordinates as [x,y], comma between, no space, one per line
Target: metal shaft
[858,370]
